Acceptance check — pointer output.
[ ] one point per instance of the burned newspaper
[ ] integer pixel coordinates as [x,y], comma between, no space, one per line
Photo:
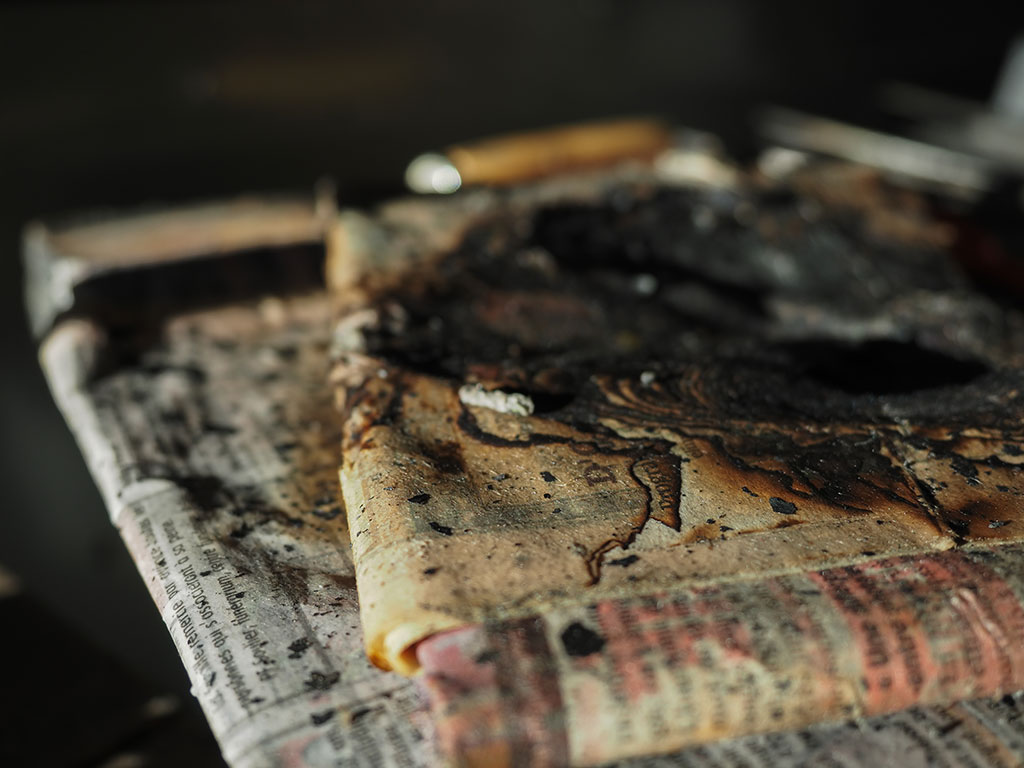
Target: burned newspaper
[632,463]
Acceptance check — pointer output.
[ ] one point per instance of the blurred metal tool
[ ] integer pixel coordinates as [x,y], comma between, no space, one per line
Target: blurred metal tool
[523,156]
[957,173]
[1008,98]
[952,145]
[994,130]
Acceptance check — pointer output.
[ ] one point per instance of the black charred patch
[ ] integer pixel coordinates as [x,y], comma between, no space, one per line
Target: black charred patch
[580,640]
[444,530]
[782,506]
[327,513]
[447,458]
[298,648]
[549,402]
[207,492]
[359,714]
[965,468]
[883,367]
[420,498]
[321,681]
[214,428]
[319,718]
[624,562]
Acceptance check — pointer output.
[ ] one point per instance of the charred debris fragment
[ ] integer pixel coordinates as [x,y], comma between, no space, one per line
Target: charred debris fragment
[791,305]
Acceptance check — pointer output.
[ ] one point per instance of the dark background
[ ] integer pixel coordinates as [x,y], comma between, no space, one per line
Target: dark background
[123,104]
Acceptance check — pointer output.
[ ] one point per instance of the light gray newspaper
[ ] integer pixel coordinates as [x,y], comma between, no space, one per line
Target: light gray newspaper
[224,494]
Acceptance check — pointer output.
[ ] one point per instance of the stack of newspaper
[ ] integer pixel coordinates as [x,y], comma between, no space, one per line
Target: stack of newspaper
[628,466]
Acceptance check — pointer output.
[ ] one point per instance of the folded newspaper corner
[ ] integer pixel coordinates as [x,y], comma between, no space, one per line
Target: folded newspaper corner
[634,462]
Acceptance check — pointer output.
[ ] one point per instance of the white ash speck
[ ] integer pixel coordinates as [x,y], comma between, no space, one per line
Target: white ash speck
[645,284]
[514,403]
